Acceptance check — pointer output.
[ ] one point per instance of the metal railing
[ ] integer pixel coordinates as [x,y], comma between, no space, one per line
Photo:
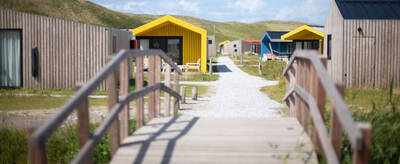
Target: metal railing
[307,84]
[118,131]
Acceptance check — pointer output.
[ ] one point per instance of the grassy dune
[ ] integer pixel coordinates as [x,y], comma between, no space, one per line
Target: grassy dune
[89,12]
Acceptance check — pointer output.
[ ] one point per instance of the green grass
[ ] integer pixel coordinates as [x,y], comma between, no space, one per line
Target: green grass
[271,70]
[89,12]
[43,101]
[61,147]
[380,107]
[199,77]
[275,92]
[39,102]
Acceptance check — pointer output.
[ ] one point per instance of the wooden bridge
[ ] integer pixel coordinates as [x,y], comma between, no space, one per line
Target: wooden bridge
[186,139]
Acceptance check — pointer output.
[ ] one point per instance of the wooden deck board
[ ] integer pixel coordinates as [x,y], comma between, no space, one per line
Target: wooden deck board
[188,139]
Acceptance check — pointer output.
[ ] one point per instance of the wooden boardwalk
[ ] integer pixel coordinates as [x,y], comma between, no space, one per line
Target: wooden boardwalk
[187,139]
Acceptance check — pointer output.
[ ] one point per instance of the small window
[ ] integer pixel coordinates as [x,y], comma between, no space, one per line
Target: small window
[234,45]
[209,41]
[329,47]
[114,44]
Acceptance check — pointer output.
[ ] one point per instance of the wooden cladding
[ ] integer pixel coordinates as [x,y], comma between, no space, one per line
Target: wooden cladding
[364,52]
[68,52]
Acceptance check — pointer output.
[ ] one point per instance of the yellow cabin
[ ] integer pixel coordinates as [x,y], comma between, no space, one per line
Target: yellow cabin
[182,41]
[306,37]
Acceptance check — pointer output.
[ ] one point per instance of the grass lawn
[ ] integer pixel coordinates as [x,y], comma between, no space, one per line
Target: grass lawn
[377,106]
[271,70]
[43,100]
[380,107]
[61,147]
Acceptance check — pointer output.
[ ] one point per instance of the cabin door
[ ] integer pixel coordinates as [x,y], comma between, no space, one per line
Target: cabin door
[10,58]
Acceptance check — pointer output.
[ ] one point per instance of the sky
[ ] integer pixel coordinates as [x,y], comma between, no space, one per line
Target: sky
[246,11]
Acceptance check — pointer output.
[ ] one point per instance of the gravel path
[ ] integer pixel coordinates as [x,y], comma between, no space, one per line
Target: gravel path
[237,94]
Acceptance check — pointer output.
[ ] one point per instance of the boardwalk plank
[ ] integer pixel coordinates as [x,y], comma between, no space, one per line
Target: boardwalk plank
[188,139]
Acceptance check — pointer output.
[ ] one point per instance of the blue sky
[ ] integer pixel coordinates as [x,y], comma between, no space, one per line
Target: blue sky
[247,11]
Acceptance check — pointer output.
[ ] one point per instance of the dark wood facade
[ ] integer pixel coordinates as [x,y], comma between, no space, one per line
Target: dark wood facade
[363,52]
[69,52]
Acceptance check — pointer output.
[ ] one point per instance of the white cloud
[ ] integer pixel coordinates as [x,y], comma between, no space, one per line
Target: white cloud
[132,5]
[188,6]
[251,6]
[311,11]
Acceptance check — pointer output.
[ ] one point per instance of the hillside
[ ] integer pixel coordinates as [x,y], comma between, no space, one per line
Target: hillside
[88,12]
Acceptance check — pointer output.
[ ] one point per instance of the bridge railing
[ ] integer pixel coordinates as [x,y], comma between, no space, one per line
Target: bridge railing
[118,129]
[307,84]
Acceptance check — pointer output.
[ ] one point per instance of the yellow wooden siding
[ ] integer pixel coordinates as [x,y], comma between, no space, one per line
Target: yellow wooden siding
[191,47]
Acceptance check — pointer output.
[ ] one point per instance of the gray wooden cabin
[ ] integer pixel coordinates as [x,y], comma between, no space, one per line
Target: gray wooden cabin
[237,47]
[362,42]
[67,52]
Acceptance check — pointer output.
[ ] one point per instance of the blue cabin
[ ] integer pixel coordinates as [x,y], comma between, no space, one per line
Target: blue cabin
[272,40]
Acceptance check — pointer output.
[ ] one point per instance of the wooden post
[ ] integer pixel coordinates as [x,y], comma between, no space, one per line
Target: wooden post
[362,156]
[210,67]
[241,59]
[194,93]
[124,90]
[112,100]
[157,77]
[336,127]
[83,123]
[318,93]
[183,94]
[37,154]
[139,85]
[176,88]
[167,96]
[259,68]
[151,81]
[306,85]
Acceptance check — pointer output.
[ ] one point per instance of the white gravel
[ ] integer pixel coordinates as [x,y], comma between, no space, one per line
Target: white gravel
[237,94]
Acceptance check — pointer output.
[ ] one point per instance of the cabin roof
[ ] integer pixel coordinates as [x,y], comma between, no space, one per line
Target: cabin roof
[369,9]
[276,34]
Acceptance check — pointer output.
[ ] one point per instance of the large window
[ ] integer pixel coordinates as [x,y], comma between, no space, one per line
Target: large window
[10,58]
[172,46]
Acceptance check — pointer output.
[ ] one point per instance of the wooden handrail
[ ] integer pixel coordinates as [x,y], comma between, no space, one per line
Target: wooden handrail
[90,145]
[40,136]
[307,62]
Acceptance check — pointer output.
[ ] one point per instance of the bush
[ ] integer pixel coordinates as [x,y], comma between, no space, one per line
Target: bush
[61,147]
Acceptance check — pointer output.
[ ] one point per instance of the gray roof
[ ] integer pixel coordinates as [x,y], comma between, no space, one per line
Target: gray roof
[369,9]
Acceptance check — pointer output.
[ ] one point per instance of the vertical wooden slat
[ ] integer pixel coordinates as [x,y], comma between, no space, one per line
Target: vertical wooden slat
[176,88]
[124,90]
[151,80]
[157,77]
[318,93]
[167,99]
[112,100]
[37,153]
[139,85]
[194,93]
[83,123]
[362,156]
[183,94]
[336,127]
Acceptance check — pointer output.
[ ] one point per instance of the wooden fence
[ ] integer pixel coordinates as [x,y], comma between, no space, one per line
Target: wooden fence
[117,106]
[307,84]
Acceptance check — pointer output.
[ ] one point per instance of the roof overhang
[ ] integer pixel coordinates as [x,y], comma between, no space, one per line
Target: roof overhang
[164,21]
[279,40]
[224,42]
[303,33]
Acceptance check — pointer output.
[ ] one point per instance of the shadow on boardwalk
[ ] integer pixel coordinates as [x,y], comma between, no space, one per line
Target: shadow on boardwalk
[171,142]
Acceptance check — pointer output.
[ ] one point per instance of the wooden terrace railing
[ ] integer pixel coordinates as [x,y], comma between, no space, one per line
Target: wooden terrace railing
[307,84]
[118,131]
